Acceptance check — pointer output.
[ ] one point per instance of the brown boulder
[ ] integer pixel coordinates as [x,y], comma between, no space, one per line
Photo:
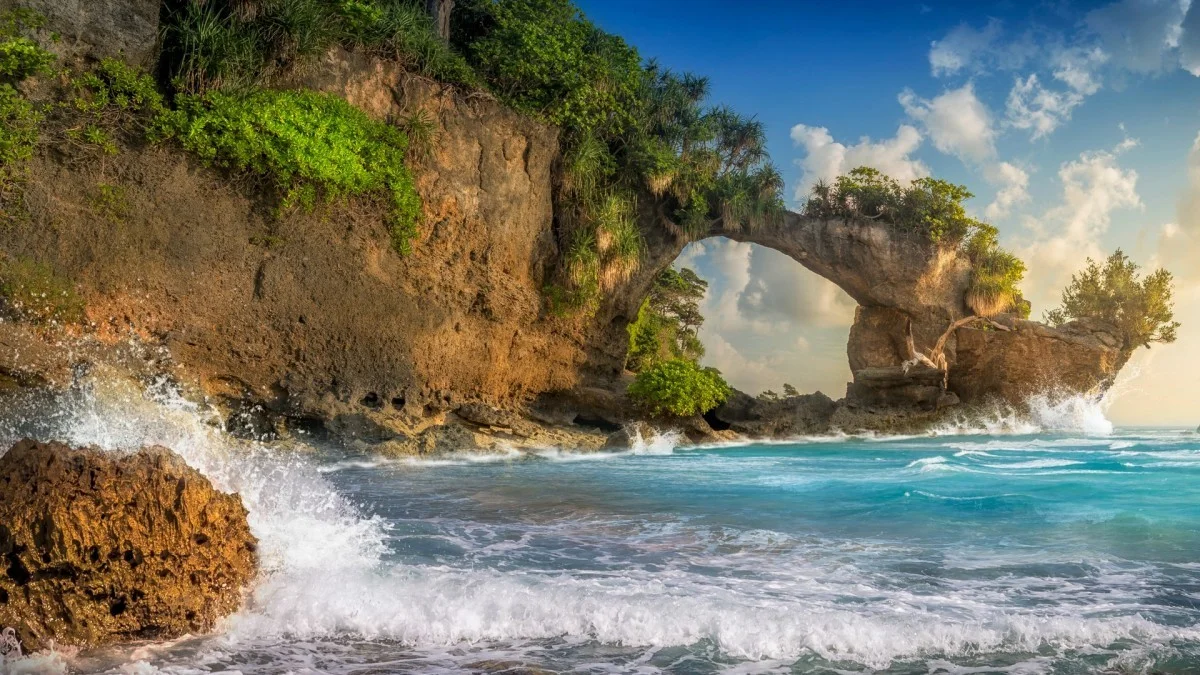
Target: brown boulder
[101,547]
[1082,356]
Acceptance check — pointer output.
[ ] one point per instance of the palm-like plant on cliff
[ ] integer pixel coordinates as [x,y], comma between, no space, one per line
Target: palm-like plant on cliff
[708,167]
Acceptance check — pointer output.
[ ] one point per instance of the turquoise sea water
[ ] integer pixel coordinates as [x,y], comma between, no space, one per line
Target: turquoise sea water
[1050,552]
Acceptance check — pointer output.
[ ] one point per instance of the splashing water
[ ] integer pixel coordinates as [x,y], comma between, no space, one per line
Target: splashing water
[1022,553]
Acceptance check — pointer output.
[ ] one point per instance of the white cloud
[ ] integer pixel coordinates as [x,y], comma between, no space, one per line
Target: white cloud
[957,121]
[768,320]
[1078,67]
[764,292]
[1138,34]
[826,159]
[1094,187]
[1179,243]
[780,290]
[1012,189]
[962,48]
[1189,40]
[1035,108]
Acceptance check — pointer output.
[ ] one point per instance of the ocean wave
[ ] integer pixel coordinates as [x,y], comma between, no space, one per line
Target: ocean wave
[444,607]
[925,462]
[329,575]
[1036,464]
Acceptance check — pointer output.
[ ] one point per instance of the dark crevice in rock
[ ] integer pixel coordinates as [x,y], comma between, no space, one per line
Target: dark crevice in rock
[596,423]
[715,422]
[17,571]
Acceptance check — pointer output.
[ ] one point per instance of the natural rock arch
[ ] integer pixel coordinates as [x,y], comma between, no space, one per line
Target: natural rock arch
[912,341]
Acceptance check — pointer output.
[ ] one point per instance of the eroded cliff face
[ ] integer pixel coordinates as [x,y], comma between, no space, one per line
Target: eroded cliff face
[313,312]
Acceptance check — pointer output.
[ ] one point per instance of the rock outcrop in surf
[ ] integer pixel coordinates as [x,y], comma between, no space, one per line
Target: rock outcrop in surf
[102,547]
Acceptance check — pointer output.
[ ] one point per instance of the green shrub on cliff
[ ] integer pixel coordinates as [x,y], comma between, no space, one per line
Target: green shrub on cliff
[20,58]
[18,133]
[927,207]
[668,321]
[679,387]
[307,145]
[1141,308]
[544,57]
[110,99]
[933,211]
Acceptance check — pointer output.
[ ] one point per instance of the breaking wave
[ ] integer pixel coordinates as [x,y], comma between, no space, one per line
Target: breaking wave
[639,582]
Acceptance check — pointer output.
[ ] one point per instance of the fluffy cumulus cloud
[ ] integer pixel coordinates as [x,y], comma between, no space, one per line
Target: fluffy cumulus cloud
[1094,187]
[825,159]
[1038,109]
[1012,189]
[957,121]
[764,292]
[1078,68]
[1056,71]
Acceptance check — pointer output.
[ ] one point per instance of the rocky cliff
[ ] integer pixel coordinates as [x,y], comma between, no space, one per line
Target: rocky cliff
[313,317]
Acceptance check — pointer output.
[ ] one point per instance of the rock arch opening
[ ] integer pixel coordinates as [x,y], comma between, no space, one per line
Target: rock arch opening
[770,321]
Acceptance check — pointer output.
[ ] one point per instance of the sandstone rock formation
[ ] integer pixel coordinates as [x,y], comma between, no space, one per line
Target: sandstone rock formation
[1082,356]
[102,547]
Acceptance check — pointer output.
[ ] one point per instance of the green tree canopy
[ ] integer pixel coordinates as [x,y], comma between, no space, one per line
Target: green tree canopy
[669,320]
[1141,308]
[679,387]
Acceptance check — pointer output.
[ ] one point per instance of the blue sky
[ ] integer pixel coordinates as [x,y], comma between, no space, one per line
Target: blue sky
[1073,122]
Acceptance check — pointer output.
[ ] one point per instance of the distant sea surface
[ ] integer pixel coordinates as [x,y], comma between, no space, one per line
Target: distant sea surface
[1035,550]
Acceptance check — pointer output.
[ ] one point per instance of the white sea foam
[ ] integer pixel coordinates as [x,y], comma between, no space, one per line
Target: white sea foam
[926,461]
[1035,464]
[326,578]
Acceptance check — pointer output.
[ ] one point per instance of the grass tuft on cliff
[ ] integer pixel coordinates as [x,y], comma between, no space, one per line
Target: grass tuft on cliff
[310,146]
[930,210]
[235,44]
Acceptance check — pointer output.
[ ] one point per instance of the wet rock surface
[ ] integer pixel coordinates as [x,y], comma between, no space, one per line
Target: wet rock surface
[101,547]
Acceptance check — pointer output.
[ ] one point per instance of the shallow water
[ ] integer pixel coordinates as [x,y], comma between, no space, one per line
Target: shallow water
[1049,552]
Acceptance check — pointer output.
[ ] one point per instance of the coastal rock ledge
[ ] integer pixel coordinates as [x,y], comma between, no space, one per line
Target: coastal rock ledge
[101,547]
